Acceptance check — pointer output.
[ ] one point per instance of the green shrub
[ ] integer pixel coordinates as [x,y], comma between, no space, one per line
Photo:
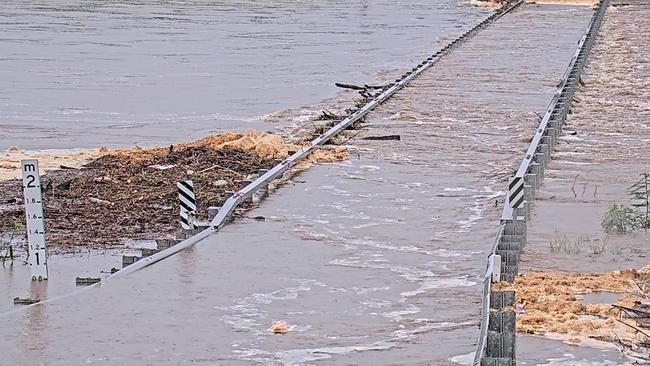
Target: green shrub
[621,219]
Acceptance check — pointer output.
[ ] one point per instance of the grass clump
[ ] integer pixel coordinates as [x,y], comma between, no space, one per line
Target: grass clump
[561,244]
[593,246]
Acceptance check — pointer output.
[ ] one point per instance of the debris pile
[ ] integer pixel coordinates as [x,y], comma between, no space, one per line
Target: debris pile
[264,145]
[132,194]
[129,194]
[552,303]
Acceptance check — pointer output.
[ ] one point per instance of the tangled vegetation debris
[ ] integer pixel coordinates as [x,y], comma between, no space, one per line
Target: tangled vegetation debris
[552,303]
[126,194]
[132,193]
[280,327]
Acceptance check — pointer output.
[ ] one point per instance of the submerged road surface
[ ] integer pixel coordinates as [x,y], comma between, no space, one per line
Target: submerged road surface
[374,260]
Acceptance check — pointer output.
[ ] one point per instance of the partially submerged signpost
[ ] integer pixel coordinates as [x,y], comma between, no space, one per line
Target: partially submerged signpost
[35,223]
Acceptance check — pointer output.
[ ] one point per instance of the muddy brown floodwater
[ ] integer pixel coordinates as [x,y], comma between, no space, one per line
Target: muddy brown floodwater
[87,73]
[601,153]
[375,260]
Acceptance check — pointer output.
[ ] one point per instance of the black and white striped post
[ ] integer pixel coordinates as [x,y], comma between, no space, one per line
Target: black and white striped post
[187,201]
[516,195]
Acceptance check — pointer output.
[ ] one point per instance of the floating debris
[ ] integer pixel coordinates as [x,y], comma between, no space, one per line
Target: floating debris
[25,301]
[86,281]
[383,138]
[550,301]
[280,327]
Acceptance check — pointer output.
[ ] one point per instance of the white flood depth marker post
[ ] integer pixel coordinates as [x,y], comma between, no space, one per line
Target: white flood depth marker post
[35,223]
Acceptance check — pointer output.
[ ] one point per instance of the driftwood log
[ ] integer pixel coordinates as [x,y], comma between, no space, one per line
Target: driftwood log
[383,138]
[357,87]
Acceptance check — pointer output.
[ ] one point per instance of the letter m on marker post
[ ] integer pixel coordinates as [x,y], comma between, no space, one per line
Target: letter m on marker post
[516,192]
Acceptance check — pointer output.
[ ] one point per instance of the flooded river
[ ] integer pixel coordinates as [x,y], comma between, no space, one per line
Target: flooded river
[374,260]
[81,74]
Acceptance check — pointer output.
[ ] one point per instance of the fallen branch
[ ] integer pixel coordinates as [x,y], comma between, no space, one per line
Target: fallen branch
[365,94]
[383,138]
[357,87]
[327,115]
[573,187]
[220,167]
[100,201]
[162,167]
[633,327]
